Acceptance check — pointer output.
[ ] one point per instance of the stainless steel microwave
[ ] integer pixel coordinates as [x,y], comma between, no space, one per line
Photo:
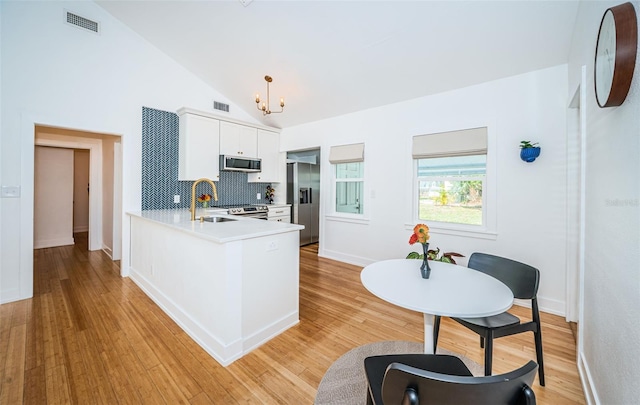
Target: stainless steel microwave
[240,164]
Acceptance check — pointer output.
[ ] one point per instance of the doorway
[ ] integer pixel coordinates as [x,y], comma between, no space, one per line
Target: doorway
[576,200]
[104,182]
[61,195]
[303,193]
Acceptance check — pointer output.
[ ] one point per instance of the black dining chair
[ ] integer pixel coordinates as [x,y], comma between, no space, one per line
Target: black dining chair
[411,379]
[523,280]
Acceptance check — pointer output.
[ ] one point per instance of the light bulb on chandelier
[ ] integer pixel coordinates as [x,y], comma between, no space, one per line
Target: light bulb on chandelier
[265,106]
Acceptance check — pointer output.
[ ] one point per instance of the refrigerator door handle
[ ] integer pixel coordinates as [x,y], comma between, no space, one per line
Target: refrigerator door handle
[310,196]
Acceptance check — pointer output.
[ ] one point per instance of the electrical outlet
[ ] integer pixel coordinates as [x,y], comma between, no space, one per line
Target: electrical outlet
[10,191]
[176,199]
[259,196]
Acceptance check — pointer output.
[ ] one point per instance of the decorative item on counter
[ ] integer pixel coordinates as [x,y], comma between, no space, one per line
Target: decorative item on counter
[271,192]
[529,151]
[204,199]
[421,235]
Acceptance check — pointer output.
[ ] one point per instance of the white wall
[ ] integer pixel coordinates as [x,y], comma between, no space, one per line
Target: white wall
[58,75]
[53,202]
[530,198]
[610,329]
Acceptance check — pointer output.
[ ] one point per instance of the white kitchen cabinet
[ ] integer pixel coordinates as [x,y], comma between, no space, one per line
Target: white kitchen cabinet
[269,152]
[280,213]
[238,140]
[198,147]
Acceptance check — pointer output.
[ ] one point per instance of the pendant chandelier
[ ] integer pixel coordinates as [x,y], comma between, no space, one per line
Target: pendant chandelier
[265,106]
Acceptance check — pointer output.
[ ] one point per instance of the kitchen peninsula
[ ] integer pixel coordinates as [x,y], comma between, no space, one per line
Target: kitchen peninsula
[231,285]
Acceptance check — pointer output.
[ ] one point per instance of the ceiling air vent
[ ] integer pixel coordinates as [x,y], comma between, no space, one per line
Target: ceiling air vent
[220,106]
[81,22]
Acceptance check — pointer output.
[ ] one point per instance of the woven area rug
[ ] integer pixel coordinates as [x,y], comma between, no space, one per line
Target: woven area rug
[344,382]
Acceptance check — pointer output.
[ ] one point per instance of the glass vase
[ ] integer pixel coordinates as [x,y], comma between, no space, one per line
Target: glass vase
[425,270]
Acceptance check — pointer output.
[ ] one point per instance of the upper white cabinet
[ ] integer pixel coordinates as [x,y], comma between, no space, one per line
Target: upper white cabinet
[269,152]
[199,147]
[205,136]
[238,140]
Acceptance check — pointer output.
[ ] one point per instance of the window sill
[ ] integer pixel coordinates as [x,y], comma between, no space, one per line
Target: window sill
[455,231]
[349,219]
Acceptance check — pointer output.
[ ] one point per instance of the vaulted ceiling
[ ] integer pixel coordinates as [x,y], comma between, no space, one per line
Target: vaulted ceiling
[329,58]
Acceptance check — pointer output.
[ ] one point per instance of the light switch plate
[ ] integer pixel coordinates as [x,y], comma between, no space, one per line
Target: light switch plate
[10,191]
[176,199]
[258,196]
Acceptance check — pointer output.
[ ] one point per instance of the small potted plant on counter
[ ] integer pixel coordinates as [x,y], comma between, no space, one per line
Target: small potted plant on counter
[529,151]
[271,192]
[204,199]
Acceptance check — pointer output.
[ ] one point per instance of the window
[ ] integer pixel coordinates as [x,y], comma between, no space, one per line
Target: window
[349,187]
[450,177]
[348,179]
[450,189]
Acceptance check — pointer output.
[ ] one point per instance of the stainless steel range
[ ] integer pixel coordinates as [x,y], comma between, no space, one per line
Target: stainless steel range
[249,211]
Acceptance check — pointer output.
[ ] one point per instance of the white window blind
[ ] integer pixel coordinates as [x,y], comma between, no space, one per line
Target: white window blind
[347,153]
[453,143]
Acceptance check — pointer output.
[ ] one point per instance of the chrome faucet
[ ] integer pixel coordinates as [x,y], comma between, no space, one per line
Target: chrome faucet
[193,195]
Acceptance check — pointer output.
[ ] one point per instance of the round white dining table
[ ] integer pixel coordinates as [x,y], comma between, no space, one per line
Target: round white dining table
[451,290]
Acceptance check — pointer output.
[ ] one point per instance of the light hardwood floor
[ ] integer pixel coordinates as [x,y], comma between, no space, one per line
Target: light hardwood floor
[90,336]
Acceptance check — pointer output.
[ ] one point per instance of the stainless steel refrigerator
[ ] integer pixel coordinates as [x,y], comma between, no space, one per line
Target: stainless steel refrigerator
[303,193]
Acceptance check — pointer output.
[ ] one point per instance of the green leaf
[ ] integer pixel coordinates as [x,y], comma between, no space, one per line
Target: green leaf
[414,255]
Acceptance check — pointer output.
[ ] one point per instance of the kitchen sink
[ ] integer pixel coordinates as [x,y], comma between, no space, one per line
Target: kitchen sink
[219,219]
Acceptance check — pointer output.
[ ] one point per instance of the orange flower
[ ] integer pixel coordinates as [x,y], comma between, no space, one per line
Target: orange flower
[420,234]
[413,239]
[204,197]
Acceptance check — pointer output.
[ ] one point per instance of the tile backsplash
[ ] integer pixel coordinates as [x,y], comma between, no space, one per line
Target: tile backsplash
[160,132]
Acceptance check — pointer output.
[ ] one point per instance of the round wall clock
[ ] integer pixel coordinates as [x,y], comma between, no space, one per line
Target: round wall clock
[615,55]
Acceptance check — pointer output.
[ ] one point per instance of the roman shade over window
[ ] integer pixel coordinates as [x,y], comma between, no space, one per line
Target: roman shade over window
[465,142]
[347,153]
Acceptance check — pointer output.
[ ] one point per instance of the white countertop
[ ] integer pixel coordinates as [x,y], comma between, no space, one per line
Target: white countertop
[220,232]
[276,205]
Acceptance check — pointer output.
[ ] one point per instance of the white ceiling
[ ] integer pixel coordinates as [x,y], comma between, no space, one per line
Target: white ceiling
[329,58]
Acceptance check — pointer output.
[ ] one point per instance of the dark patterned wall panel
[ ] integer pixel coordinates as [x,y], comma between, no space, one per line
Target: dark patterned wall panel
[160,132]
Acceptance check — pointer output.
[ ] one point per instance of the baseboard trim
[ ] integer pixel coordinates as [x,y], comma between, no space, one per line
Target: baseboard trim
[341,257]
[224,353]
[586,378]
[47,243]
[107,251]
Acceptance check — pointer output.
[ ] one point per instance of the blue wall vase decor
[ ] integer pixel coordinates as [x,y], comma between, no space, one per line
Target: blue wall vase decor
[529,154]
[529,151]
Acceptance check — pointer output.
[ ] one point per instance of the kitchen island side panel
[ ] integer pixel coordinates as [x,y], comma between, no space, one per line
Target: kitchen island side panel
[229,297]
[270,287]
[191,280]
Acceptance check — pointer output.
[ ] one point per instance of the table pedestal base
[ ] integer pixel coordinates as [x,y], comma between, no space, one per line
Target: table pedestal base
[428,333]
